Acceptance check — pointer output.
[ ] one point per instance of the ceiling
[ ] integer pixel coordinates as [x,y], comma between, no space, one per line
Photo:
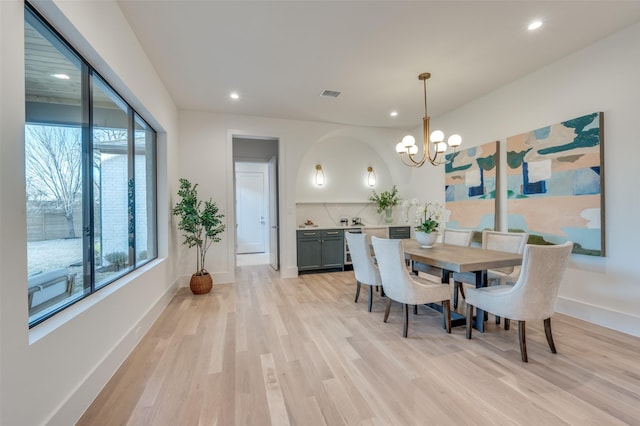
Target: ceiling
[280,55]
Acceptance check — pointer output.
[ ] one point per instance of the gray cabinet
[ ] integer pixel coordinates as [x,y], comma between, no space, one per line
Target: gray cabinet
[320,249]
[399,232]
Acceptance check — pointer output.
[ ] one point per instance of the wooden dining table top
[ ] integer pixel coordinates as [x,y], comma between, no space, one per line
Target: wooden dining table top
[458,258]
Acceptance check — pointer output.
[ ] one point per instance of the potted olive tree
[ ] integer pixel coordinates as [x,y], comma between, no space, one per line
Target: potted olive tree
[200,223]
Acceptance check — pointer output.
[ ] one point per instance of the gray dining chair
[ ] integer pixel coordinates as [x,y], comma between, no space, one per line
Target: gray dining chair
[511,242]
[532,297]
[407,289]
[364,268]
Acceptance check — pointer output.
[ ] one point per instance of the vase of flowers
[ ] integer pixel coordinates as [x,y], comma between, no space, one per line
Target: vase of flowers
[385,202]
[428,219]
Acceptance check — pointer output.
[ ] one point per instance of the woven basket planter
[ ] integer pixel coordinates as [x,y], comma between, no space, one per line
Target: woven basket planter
[201,284]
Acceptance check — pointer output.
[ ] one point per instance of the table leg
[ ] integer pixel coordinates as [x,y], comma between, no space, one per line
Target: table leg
[481,281]
[456,318]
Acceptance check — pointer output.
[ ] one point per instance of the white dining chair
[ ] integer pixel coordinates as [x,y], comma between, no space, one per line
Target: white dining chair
[511,242]
[402,287]
[457,237]
[532,297]
[364,268]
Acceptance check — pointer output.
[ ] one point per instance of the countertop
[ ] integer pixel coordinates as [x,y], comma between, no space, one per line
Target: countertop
[385,225]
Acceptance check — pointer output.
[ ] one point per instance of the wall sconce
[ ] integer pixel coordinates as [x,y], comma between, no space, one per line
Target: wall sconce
[371,177]
[319,175]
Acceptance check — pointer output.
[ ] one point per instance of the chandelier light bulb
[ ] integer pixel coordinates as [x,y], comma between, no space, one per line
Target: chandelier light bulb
[437,136]
[400,149]
[454,140]
[441,147]
[408,141]
[413,149]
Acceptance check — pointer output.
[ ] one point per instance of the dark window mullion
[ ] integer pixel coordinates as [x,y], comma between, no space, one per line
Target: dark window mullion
[87,176]
[131,157]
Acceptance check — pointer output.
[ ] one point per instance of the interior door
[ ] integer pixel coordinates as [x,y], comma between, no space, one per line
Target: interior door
[274,227]
[251,209]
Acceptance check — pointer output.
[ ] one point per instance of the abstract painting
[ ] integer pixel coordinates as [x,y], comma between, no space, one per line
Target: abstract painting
[555,183]
[470,187]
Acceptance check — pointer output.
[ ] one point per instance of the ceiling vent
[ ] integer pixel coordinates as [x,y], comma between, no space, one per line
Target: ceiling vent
[330,93]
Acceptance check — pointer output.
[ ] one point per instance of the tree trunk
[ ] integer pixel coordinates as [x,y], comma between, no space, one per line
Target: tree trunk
[71,231]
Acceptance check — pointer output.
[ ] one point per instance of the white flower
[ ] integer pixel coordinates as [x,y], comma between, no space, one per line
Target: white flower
[429,216]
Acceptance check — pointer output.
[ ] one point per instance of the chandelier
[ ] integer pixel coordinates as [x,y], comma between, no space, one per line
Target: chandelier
[407,149]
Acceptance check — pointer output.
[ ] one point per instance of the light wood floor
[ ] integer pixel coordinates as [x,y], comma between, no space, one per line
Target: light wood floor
[299,351]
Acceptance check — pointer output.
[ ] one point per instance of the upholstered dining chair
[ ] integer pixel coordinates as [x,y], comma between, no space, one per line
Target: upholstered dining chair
[533,296]
[402,287]
[364,268]
[457,237]
[511,242]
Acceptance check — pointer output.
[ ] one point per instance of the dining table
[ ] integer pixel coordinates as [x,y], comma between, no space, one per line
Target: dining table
[447,258]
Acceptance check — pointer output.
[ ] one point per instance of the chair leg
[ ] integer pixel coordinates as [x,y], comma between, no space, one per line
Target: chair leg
[386,310]
[405,328]
[461,287]
[370,297]
[415,309]
[506,323]
[523,341]
[357,291]
[547,332]
[455,294]
[469,320]
[446,314]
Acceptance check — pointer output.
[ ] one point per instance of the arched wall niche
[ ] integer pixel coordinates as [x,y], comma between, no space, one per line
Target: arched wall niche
[344,157]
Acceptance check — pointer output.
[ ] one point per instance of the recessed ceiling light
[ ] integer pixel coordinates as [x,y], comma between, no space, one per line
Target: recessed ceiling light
[234,95]
[60,76]
[393,113]
[534,25]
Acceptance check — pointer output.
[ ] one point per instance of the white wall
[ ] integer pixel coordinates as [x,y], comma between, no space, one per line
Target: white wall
[206,158]
[602,77]
[51,373]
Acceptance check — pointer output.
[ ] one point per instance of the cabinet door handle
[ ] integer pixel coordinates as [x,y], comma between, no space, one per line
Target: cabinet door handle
[332,233]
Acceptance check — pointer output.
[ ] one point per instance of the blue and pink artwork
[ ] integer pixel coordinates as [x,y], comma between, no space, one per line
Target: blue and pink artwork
[470,187]
[555,182]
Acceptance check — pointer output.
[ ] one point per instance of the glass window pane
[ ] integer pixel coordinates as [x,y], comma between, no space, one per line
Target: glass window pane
[145,192]
[111,182]
[53,171]
[90,168]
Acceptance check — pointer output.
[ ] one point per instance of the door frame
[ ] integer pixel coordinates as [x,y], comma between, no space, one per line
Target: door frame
[231,196]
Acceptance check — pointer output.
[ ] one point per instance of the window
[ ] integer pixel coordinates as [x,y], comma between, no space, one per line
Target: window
[90,168]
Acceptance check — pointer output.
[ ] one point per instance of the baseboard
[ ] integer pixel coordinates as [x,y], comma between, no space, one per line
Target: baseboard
[619,321]
[79,400]
[289,272]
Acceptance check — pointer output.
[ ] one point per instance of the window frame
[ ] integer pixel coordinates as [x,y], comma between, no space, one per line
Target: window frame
[134,119]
